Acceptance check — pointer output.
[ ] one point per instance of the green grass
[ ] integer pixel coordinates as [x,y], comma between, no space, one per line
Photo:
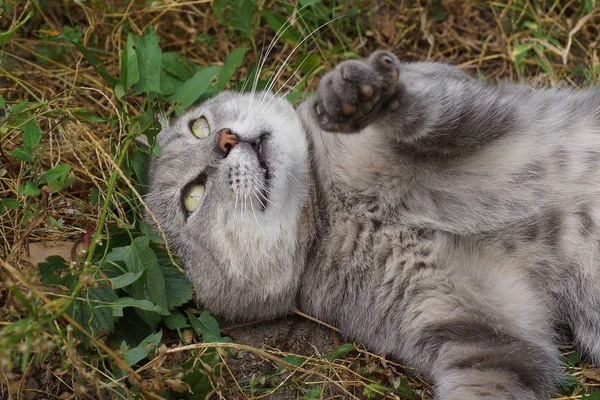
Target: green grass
[80,80]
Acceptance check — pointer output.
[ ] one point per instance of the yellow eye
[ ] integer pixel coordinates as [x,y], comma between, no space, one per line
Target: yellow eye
[200,128]
[193,197]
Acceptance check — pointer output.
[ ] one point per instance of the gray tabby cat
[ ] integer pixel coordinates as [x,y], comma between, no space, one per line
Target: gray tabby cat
[449,224]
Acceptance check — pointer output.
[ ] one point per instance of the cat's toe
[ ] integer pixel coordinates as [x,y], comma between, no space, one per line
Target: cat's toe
[387,66]
[346,95]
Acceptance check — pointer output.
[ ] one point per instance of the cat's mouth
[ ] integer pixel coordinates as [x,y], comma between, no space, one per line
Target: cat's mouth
[262,156]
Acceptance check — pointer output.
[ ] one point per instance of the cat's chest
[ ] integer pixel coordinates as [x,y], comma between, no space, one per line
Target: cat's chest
[359,254]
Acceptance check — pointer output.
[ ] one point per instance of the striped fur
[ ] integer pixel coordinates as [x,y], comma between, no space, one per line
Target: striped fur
[438,220]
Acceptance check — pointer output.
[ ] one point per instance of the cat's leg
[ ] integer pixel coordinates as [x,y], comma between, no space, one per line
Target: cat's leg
[482,340]
[579,295]
[458,155]
[432,107]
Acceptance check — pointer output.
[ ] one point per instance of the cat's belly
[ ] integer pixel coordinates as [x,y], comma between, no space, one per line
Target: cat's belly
[363,272]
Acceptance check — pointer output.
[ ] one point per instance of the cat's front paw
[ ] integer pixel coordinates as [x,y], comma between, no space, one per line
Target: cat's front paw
[355,93]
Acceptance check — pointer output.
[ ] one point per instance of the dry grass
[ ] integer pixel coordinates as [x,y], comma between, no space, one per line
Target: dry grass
[85,125]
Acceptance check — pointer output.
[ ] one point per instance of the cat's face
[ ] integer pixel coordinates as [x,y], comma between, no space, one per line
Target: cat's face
[228,190]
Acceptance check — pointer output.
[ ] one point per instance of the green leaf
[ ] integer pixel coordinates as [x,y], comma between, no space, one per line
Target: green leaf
[207,327]
[5,36]
[119,91]
[126,279]
[140,163]
[21,154]
[142,304]
[149,57]
[218,8]
[29,189]
[141,351]
[179,289]
[55,271]
[92,58]
[294,360]
[94,312]
[130,73]
[340,351]
[11,204]
[195,87]
[178,66]
[58,177]
[58,173]
[168,83]
[402,387]
[289,33]
[241,16]
[139,257]
[32,134]
[176,321]
[595,395]
[232,63]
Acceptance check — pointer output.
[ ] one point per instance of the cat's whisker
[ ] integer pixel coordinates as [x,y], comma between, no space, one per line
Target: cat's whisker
[286,61]
[261,62]
[293,75]
[242,274]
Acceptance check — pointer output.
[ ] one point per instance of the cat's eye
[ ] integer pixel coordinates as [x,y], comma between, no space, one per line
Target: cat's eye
[200,127]
[193,197]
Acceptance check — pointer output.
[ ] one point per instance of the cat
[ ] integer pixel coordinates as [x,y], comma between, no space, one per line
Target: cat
[438,220]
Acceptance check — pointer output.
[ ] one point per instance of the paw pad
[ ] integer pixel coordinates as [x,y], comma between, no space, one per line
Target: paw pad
[348,109]
[367,90]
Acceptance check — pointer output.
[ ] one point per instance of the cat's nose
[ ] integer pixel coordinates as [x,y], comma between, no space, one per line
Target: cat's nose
[227,140]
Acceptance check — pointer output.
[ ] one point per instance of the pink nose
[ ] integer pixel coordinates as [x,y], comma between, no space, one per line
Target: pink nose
[227,140]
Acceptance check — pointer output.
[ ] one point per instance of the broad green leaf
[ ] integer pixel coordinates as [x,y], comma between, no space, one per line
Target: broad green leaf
[126,279]
[178,66]
[207,327]
[21,154]
[310,63]
[233,61]
[142,304]
[32,134]
[58,173]
[168,83]
[289,33]
[149,58]
[55,271]
[140,162]
[94,312]
[138,353]
[195,87]
[130,73]
[218,9]
[11,204]
[29,189]
[58,185]
[176,321]
[119,91]
[139,257]
[179,289]
[241,16]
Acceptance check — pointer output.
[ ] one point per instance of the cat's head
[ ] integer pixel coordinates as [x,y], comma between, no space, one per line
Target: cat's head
[228,191]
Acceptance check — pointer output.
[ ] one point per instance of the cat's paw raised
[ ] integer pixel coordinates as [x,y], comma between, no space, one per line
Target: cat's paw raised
[352,95]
